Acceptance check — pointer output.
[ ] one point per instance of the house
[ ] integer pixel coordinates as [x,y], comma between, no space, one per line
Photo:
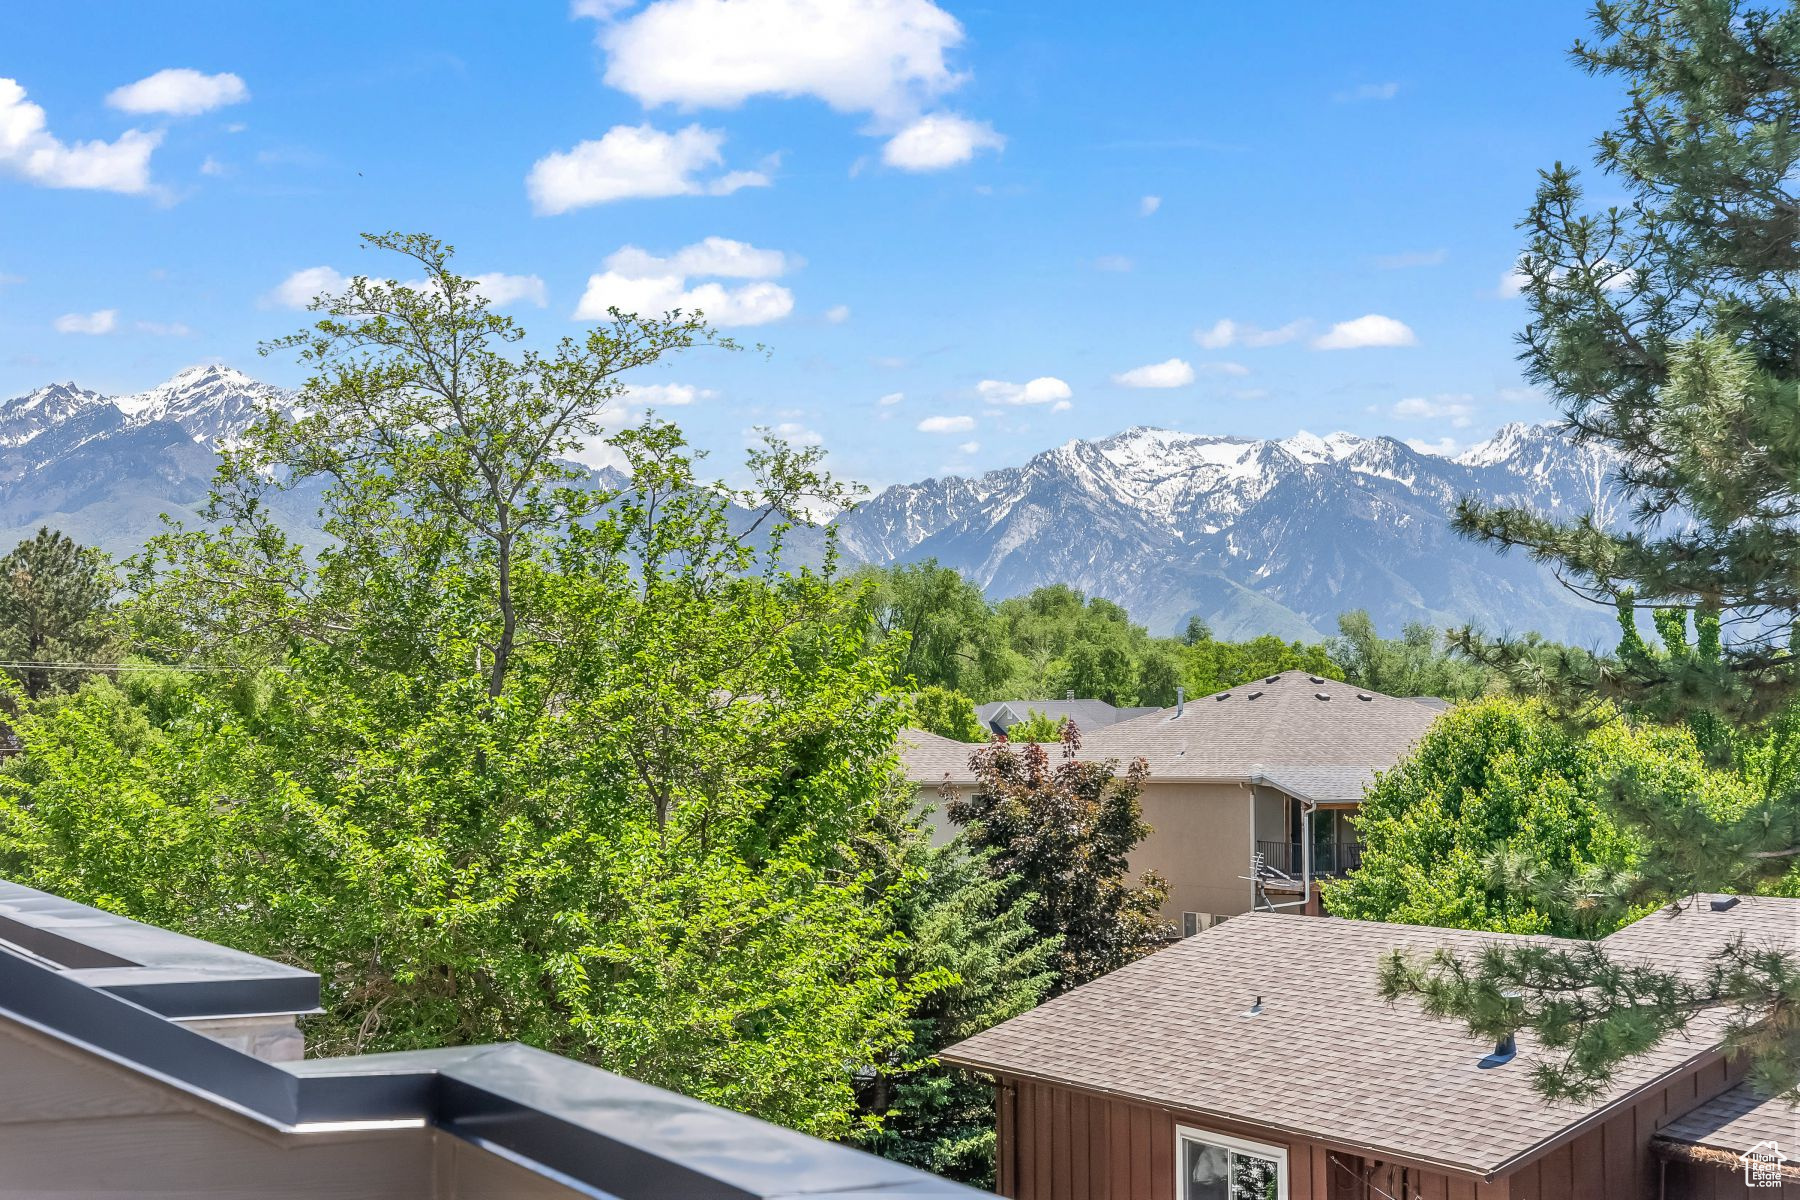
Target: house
[1258,1060]
[998,716]
[138,1062]
[1250,789]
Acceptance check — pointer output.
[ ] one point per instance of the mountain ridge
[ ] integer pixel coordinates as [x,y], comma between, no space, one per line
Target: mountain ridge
[1256,535]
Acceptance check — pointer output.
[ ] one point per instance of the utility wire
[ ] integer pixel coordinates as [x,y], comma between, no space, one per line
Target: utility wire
[55,666]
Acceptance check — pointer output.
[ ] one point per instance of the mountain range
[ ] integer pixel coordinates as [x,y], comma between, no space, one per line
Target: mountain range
[1254,535]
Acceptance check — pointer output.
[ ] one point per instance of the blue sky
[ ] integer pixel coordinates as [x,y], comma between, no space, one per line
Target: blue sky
[998,217]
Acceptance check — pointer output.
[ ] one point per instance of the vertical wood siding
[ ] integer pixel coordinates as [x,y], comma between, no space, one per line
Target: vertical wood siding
[1061,1144]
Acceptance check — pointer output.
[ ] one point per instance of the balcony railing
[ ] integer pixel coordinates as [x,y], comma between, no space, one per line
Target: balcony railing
[1328,858]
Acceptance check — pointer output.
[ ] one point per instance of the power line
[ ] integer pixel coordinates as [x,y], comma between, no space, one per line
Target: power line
[56,666]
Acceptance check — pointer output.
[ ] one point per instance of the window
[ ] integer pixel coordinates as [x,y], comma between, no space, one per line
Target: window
[1216,1167]
[1198,922]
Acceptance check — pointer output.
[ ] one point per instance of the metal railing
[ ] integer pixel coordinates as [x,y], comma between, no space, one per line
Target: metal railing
[1328,858]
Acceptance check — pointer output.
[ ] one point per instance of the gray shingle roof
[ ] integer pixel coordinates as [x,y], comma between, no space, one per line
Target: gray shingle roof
[1270,730]
[1087,714]
[1327,1058]
[1278,722]
[1736,1121]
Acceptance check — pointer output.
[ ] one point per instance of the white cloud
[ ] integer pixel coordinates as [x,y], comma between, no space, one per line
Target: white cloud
[837,314]
[1367,91]
[30,151]
[212,166]
[1233,333]
[104,321]
[1512,283]
[884,57]
[968,447]
[939,140]
[1442,448]
[631,161]
[946,424]
[1411,258]
[162,328]
[500,289]
[666,395]
[637,281]
[797,434]
[298,289]
[1148,205]
[751,304]
[1223,368]
[1457,409]
[1112,262]
[891,399]
[1371,329]
[716,256]
[1042,390]
[1171,374]
[599,10]
[179,92]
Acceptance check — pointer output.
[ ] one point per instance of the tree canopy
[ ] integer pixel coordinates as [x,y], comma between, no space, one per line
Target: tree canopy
[55,599]
[1667,328]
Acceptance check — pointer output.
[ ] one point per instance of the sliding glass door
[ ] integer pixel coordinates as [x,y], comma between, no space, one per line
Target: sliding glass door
[1216,1167]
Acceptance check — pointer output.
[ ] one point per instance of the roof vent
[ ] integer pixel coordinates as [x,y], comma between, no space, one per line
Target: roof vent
[1506,1047]
[1315,679]
[1180,700]
[1364,696]
[1272,679]
[1254,695]
[1724,903]
[1322,695]
[1255,1009]
[1223,696]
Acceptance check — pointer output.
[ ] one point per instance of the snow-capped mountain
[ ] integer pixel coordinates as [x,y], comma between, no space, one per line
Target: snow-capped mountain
[1254,535]
[1257,536]
[212,403]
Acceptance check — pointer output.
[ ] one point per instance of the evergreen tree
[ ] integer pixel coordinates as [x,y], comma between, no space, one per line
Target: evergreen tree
[1668,329]
[1063,835]
[971,952]
[55,597]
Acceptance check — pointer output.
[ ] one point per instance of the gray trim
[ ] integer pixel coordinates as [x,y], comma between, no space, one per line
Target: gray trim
[168,973]
[608,1134]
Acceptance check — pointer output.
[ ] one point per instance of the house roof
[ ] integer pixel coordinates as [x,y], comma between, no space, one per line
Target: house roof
[1731,1124]
[1286,720]
[1276,730]
[1087,714]
[1327,1058]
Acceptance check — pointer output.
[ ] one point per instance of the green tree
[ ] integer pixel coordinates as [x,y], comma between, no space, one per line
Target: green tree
[1416,663]
[55,598]
[1063,837]
[513,758]
[947,713]
[1037,727]
[1208,666]
[943,624]
[1666,330]
[971,950]
[1497,820]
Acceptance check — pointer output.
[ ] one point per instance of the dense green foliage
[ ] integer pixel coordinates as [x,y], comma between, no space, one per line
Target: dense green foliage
[1061,836]
[947,713]
[1497,821]
[512,758]
[54,601]
[1666,328]
[1036,727]
[1054,643]
[971,951]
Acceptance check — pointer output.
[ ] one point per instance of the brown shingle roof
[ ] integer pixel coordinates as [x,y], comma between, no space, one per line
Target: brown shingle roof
[1327,1058]
[929,758]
